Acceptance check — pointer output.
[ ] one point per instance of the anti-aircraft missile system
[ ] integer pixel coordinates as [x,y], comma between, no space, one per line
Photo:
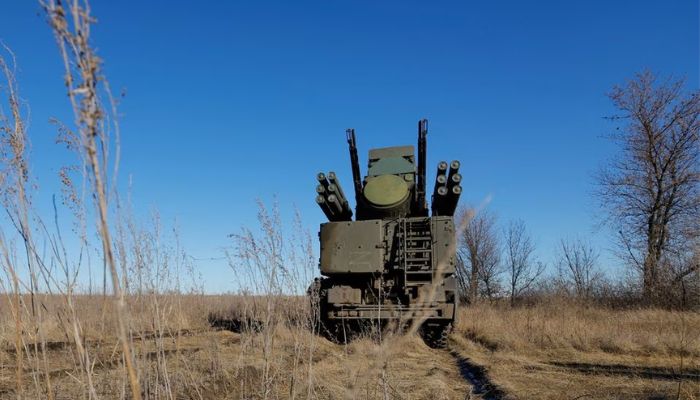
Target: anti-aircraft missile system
[395,261]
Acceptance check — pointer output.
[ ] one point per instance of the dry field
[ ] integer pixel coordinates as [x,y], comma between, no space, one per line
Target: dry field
[555,351]
[179,356]
[560,350]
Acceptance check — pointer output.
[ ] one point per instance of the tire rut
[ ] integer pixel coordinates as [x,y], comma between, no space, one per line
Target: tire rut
[477,377]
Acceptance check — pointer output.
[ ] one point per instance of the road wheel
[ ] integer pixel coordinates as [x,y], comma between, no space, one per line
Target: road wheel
[436,335]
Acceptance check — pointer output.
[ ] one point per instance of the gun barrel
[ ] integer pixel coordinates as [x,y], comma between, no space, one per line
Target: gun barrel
[421,207]
[355,164]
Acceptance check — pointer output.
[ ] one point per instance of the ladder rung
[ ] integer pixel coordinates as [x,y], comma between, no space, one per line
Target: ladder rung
[416,249]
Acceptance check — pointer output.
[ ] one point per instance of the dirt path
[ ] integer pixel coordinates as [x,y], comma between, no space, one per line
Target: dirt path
[476,376]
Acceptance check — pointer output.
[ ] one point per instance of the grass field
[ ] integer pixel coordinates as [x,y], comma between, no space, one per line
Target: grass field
[560,350]
[553,351]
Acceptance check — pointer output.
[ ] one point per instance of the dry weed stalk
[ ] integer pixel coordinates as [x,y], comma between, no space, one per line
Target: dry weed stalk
[71,27]
[9,129]
[17,203]
[273,268]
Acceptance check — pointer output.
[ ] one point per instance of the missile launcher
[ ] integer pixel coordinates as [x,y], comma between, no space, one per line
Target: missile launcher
[396,260]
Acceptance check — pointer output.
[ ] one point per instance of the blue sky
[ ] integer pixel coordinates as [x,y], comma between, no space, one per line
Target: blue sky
[227,102]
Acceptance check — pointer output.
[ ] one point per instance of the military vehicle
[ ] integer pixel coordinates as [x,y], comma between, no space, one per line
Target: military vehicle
[396,260]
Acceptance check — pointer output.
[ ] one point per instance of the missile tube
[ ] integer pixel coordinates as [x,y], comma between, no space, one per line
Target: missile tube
[454,180]
[331,198]
[451,201]
[321,201]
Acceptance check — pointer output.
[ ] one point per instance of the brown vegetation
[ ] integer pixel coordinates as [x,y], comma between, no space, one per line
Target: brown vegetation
[561,349]
[553,350]
[182,357]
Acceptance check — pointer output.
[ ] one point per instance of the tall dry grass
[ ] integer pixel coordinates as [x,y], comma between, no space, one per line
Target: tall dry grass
[560,325]
[558,348]
[44,307]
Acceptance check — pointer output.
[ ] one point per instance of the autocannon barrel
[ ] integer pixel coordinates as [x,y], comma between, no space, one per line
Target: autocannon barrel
[421,208]
[320,189]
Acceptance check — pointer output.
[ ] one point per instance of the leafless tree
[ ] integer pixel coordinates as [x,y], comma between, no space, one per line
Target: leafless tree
[577,265]
[650,191]
[522,268]
[479,256]
[462,277]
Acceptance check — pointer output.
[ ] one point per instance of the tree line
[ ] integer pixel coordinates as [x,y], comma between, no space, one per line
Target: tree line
[649,195]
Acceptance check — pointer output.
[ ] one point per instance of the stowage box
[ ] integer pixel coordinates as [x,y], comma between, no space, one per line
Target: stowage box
[351,247]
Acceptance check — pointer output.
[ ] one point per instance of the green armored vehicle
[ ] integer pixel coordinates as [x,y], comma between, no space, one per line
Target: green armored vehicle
[396,260]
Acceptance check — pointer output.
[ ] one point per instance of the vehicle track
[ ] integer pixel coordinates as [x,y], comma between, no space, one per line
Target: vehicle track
[477,377]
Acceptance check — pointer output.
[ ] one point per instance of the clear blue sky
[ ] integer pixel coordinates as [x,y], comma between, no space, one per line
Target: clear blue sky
[230,101]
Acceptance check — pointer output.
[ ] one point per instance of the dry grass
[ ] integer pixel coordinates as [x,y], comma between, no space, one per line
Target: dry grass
[563,350]
[204,363]
[557,350]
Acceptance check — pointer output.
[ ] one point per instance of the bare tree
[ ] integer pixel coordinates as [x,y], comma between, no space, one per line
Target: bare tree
[577,265]
[521,266]
[479,255]
[462,277]
[650,190]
